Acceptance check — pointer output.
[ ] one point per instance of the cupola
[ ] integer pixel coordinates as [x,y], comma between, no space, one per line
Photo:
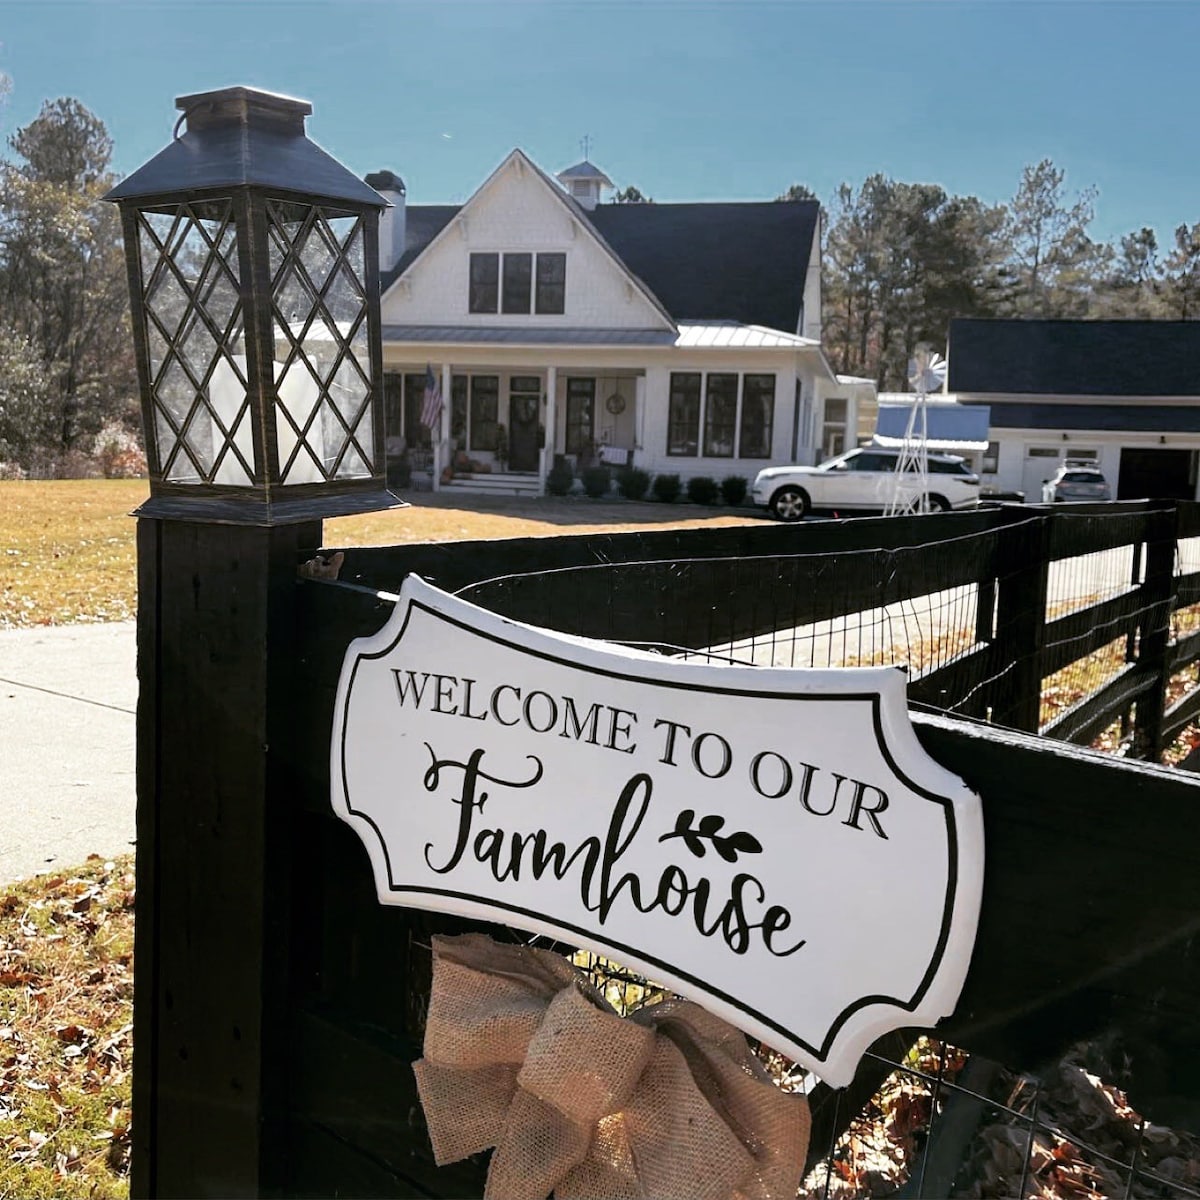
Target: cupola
[583,182]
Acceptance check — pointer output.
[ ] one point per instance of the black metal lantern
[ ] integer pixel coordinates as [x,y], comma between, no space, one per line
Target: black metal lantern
[254,279]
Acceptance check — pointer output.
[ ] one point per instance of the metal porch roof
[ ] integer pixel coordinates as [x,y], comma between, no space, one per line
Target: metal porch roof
[719,335]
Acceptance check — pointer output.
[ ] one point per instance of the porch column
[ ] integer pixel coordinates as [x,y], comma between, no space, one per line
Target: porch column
[547,454]
[639,417]
[441,445]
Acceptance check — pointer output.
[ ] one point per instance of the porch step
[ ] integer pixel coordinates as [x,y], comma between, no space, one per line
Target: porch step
[502,483]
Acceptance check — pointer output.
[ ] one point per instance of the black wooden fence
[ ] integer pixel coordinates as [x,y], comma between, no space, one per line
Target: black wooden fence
[992,610]
[279,1005]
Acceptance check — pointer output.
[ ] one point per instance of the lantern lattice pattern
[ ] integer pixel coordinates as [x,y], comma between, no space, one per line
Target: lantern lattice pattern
[324,426]
[199,376]
[195,338]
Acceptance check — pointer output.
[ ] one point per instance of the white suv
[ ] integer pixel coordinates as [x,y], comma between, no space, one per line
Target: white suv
[861,480]
[1076,481]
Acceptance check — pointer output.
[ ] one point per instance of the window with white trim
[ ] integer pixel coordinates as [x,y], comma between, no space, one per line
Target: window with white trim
[484,292]
[758,416]
[517,283]
[581,416]
[720,415]
[833,428]
[735,412]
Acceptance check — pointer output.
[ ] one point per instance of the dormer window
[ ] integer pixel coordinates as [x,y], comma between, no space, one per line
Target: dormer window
[518,283]
[518,277]
[485,283]
[551,283]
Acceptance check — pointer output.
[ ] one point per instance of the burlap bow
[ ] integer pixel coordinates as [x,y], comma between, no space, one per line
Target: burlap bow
[522,1054]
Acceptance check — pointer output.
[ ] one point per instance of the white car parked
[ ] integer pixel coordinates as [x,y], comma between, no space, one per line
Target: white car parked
[1076,481]
[861,480]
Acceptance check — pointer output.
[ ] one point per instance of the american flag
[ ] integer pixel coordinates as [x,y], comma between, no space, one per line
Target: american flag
[431,408]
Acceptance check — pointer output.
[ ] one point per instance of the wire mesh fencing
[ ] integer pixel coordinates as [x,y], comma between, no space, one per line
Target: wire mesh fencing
[948,1124]
[1053,621]
[1083,625]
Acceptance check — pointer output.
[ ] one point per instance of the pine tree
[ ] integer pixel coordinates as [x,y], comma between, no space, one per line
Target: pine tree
[1134,286]
[1054,266]
[903,259]
[1181,281]
[62,273]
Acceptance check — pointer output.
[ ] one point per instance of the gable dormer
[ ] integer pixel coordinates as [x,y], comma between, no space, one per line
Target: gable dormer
[583,182]
[519,253]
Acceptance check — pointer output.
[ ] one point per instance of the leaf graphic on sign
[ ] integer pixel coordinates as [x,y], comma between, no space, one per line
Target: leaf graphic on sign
[728,847]
[737,843]
[683,829]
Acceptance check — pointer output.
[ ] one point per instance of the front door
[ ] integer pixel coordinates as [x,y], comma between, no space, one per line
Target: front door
[523,405]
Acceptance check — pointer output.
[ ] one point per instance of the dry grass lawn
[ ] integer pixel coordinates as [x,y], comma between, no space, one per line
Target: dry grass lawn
[67,548]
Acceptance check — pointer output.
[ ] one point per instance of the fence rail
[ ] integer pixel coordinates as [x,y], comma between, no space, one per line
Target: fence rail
[1060,620]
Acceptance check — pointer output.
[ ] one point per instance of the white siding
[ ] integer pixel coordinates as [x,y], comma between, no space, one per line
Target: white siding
[1016,471]
[516,211]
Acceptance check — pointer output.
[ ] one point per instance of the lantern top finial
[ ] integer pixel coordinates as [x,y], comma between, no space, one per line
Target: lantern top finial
[243,106]
[245,137]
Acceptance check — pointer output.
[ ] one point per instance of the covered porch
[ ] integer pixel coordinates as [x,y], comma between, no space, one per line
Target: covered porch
[502,424]
[502,428]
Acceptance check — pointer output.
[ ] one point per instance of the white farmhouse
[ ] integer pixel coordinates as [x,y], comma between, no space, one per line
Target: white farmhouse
[679,338]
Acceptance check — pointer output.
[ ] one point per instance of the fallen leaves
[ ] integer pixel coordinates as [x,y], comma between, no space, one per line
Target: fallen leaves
[66,1039]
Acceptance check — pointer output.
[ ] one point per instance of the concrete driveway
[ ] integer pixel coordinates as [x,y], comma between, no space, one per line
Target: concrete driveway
[68,697]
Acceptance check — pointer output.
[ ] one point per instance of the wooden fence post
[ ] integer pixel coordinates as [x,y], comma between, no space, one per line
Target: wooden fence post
[1021,622]
[211,967]
[1154,629]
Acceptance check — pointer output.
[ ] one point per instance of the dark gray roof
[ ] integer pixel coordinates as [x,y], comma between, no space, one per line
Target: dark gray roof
[948,423]
[729,261]
[741,262]
[1075,358]
[1119,418]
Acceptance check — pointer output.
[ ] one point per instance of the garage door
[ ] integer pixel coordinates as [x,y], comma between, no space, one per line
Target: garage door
[1156,474]
[1040,463]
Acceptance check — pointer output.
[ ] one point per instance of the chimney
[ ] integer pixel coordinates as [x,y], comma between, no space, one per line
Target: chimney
[391,221]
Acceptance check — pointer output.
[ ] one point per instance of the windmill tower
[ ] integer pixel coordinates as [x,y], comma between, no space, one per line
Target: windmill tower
[910,484]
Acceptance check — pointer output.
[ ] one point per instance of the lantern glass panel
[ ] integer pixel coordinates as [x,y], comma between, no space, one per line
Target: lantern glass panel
[197,357]
[324,424]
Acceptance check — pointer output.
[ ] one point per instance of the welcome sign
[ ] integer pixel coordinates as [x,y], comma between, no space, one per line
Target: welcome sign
[773,844]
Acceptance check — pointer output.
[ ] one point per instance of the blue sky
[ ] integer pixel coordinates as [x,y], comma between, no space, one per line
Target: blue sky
[687,99]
